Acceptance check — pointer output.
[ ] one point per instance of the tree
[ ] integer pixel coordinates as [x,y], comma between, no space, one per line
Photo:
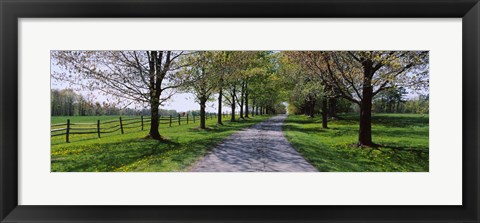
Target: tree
[390,99]
[66,102]
[235,66]
[258,65]
[263,90]
[201,79]
[306,87]
[360,75]
[221,65]
[418,105]
[144,77]
[246,66]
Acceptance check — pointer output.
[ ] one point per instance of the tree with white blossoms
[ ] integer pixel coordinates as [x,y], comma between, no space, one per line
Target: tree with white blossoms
[139,77]
[360,75]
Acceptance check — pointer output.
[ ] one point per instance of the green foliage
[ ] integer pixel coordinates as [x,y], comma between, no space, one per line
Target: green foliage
[403,139]
[201,74]
[418,105]
[344,106]
[304,88]
[392,101]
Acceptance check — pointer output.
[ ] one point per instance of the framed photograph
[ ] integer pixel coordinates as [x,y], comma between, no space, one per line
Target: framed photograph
[227,111]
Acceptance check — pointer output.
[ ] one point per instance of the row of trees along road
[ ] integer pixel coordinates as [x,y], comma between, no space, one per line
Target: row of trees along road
[239,78]
[356,76]
[253,81]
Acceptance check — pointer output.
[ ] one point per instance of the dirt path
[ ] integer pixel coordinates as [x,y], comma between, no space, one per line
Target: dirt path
[261,148]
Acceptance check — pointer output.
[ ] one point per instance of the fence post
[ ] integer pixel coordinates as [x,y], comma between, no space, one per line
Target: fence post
[170,120]
[178,119]
[187,119]
[68,131]
[142,121]
[98,128]
[193,118]
[121,125]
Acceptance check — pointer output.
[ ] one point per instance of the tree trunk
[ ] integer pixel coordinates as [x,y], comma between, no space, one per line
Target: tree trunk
[324,113]
[246,100]
[365,131]
[307,107]
[233,106]
[332,110]
[219,115]
[312,106]
[203,101]
[242,93]
[154,119]
[233,113]
[253,107]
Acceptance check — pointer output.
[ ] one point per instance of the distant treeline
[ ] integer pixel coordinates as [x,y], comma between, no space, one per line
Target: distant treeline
[67,102]
[392,100]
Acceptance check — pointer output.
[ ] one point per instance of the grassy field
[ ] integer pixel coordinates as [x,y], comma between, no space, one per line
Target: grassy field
[182,146]
[403,139]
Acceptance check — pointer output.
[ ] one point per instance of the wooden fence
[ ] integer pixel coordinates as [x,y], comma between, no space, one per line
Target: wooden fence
[121,125]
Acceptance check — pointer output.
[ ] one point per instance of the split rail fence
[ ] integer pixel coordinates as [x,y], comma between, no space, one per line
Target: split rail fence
[121,124]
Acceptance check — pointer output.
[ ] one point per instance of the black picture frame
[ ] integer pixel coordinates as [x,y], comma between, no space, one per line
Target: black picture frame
[11,11]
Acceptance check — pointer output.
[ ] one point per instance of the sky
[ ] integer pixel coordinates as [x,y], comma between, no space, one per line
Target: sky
[186,102]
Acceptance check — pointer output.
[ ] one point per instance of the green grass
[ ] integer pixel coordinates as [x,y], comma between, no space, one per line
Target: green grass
[183,145]
[403,139]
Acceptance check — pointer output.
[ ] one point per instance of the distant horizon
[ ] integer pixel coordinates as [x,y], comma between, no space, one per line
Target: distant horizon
[183,102]
[180,102]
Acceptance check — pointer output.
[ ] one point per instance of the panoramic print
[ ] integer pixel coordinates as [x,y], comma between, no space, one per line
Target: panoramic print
[239,111]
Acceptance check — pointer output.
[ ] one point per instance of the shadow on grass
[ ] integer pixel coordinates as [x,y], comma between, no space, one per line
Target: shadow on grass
[108,157]
[177,151]
[403,143]
[399,133]
[313,130]
[388,120]
[407,149]
[400,121]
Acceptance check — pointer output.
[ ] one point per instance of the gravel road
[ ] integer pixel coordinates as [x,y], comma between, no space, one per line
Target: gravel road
[260,148]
